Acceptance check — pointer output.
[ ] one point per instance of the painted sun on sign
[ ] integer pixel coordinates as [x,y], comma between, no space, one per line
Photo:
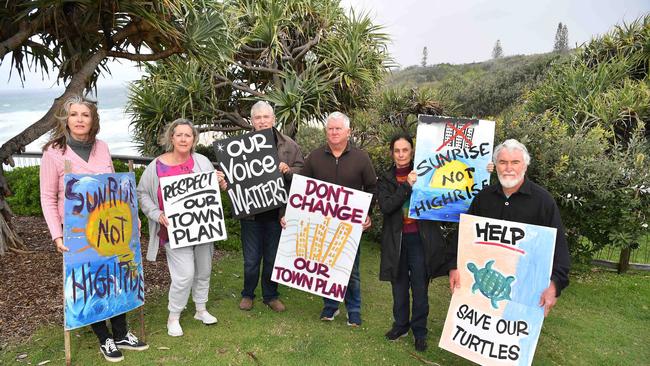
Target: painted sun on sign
[451,157]
[103,269]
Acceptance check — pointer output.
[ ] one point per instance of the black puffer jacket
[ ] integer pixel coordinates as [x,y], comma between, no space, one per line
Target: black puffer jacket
[439,257]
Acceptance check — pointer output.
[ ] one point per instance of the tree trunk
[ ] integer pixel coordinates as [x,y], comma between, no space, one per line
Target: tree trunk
[624,260]
[291,129]
[8,237]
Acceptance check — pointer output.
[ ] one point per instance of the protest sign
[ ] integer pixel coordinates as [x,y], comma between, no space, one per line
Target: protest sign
[451,156]
[250,165]
[323,228]
[193,208]
[494,318]
[103,269]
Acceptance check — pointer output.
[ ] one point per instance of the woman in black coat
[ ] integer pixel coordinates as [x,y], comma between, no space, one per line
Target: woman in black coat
[412,251]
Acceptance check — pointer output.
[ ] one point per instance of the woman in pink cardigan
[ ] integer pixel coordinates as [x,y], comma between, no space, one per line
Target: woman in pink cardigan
[73,140]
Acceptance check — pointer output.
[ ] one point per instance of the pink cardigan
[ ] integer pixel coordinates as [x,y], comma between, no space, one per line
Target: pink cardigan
[52,171]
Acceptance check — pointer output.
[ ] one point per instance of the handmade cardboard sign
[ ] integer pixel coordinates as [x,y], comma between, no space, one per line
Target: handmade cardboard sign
[103,269]
[250,165]
[494,317]
[193,208]
[451,156]
[323,228]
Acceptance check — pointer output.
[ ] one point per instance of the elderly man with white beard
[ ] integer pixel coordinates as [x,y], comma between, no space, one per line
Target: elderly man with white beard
[516,198]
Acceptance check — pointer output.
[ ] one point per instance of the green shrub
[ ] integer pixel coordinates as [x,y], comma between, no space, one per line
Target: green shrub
[588,131]
[207,151]
[605,83]
[25,186]
[310,138]
[599,187]
[233,229]
[494,86]
[122,167]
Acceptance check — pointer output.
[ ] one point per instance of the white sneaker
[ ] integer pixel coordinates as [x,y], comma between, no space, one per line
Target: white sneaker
[174,328]
[205,317]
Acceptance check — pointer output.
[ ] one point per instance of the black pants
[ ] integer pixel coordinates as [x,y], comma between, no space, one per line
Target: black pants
[412,274]
[118,323]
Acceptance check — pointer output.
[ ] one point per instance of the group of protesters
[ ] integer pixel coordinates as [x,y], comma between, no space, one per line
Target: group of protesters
[412,251]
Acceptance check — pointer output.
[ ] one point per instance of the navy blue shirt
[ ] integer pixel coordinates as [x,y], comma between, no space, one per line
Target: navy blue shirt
[531,204]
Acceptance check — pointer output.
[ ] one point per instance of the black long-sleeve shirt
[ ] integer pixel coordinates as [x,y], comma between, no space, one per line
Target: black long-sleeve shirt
[531,204]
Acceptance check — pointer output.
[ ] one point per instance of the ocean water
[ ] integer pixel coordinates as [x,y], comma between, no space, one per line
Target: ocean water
[21,108]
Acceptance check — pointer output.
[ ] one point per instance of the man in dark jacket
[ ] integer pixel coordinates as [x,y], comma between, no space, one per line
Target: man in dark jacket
[515,198]
[260,233]
[341,163]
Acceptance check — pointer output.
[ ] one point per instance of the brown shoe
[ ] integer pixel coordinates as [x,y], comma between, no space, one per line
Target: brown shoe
[246,303]
[276,305]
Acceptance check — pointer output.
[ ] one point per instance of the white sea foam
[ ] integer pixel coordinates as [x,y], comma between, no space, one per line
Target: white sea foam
[114,129]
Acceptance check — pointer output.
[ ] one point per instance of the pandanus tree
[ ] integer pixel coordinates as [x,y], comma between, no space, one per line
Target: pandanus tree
[306,57]
[76,40]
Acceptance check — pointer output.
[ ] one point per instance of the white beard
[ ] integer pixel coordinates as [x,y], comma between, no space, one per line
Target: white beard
[510,182]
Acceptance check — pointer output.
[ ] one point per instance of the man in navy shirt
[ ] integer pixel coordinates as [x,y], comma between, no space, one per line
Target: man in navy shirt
[515,198]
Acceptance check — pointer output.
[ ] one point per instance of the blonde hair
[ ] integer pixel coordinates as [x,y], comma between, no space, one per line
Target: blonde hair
[61,133]
[166,138]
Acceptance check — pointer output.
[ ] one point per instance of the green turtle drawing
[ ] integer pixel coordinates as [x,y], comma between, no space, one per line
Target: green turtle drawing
[491,282]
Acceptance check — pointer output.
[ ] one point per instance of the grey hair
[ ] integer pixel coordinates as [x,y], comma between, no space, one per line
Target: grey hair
[261,106]
[338,115]
[166,138]
[510,145]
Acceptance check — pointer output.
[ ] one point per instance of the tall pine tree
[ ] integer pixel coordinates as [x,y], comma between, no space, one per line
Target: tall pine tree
[561,38]
[425,53]
[497,51]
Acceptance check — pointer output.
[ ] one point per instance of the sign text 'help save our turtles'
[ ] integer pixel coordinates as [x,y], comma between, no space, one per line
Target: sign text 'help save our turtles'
[494,317]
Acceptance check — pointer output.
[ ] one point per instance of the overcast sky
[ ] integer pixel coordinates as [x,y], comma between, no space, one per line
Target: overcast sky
[460,31]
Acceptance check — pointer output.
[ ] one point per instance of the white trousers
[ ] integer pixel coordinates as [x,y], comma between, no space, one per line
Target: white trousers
[189,269]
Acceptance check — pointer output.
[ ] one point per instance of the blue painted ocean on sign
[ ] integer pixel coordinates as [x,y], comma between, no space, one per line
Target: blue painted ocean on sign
[103,269]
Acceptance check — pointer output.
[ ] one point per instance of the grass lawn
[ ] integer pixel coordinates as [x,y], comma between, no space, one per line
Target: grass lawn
[601,319]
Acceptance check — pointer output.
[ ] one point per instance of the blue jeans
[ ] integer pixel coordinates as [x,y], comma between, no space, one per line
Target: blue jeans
[412,273]
[353,293]
[259,243]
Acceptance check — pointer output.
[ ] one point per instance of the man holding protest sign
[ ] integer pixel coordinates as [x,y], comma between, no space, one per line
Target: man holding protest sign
[515,198]
[340,163]
[260,233]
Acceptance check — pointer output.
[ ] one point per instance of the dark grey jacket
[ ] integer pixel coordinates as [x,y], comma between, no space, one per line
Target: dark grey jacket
[440,257]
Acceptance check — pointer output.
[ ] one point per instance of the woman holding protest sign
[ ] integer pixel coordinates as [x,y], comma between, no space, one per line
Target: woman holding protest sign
[73,143]
[189,267]
[412,251]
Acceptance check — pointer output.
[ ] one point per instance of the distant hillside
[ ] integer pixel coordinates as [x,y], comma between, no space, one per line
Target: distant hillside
[482,88]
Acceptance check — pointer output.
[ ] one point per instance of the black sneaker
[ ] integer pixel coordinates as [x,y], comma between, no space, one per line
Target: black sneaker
[110,351]
[395,333]
[420,344]
[131,342]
